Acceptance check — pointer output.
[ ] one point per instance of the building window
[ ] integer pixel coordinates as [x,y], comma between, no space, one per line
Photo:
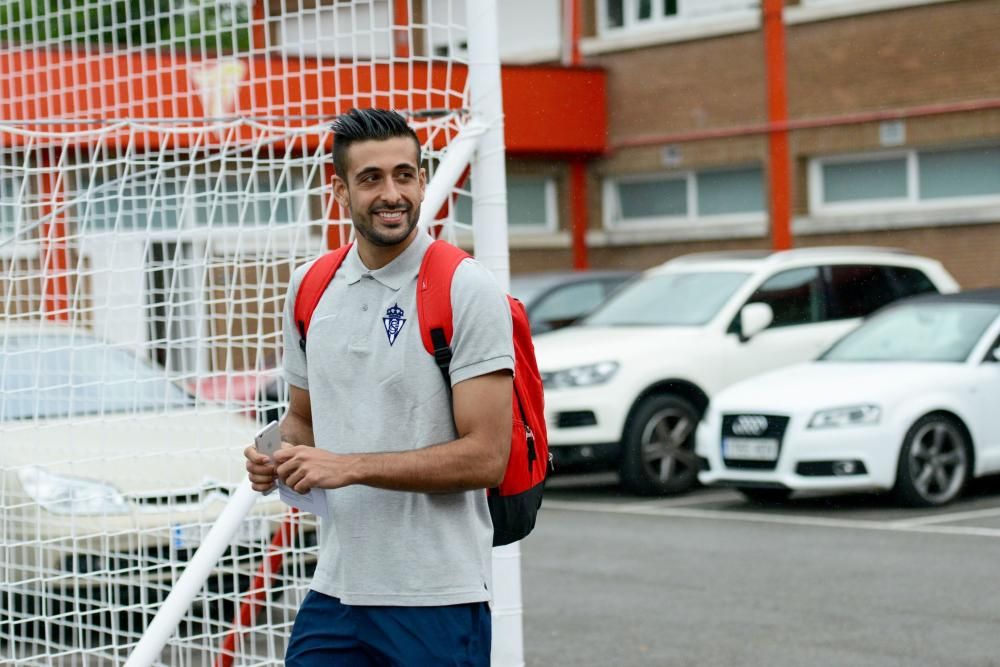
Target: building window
[243,200]
[730,191]
[959,173]
[11,206]
[142,203]
[531,204]
[614,13]
[660,198]
[174,198]
[624,15]
[712,195]
[865,181]
[908,179]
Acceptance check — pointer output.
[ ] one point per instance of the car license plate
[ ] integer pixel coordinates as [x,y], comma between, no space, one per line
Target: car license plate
[253,530]
[750,449]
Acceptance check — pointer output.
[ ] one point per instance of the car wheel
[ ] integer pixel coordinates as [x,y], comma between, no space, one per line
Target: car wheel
[658,456]
[934,463]
[765,496]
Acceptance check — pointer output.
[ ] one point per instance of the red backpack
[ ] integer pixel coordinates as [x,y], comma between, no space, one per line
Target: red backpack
[514,504]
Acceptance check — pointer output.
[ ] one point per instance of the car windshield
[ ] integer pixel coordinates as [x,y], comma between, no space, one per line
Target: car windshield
[526,288]
[59,376]
[668,299]
[942,332]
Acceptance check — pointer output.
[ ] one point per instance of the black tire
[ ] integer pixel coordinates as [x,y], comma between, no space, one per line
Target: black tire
[765,496]
[935,462]
[658,449]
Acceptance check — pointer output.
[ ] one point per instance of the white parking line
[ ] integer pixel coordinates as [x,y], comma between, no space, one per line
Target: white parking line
[708,497]
[644,509]
[949,517]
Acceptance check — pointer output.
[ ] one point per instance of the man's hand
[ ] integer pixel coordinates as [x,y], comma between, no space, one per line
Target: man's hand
[261,470]
[296,427]
[306,468]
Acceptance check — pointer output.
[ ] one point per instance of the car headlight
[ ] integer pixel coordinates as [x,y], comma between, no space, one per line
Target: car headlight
[854,415]
[71,495]
[580,376]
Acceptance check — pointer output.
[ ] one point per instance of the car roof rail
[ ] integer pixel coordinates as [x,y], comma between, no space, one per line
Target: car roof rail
[722,255]
[840,249]
[778,256]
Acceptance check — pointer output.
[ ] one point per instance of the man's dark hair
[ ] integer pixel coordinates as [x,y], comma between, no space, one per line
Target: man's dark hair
[366,125]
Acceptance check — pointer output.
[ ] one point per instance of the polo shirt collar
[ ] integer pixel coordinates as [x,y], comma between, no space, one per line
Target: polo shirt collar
[396,273]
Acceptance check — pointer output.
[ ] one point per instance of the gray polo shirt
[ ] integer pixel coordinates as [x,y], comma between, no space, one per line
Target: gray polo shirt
[374,388]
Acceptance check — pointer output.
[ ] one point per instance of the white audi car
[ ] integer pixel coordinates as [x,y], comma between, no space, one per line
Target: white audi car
[907,402]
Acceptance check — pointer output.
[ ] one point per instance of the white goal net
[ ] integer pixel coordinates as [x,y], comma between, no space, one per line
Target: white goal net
[164,166]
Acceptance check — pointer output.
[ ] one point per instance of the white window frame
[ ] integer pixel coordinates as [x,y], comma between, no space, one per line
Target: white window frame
[551,207]
[910,203]
[687,24]
[823,10]
[613,219]
[250,238]
[899,213]
[817,191]
[526,236]
[27,248]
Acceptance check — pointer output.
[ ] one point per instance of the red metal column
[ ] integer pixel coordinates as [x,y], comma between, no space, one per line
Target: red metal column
[54,248]
[258,29]
[401,28]
[578,211]
[777,113]
[254,599]
[572,30]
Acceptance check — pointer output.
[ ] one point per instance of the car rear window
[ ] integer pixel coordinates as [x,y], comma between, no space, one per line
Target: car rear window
[859,290]
[910,282]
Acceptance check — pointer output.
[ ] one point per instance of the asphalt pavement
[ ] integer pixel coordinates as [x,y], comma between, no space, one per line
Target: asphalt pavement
[708,579]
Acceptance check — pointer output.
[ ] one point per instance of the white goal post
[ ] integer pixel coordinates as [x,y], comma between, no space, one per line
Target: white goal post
[161,175]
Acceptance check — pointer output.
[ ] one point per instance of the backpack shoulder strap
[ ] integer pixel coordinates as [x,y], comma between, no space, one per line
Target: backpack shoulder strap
[313,284]
[434,301]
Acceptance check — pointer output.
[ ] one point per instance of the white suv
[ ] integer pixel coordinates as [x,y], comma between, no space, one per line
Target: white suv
[626,386]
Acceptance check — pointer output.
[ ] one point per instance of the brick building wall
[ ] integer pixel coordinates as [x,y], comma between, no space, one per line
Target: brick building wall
[932,54]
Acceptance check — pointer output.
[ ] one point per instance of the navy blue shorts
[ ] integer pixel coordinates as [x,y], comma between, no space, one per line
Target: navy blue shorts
[330,634]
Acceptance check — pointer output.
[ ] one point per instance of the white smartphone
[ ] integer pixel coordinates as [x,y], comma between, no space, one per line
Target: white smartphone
[268,440]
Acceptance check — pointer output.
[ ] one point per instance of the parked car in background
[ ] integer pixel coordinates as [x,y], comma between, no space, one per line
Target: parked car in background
[907,402]
[110,474]
[558,298]
[626,386]
[259,394]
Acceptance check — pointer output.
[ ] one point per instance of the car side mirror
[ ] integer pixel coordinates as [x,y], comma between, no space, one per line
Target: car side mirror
[754,318]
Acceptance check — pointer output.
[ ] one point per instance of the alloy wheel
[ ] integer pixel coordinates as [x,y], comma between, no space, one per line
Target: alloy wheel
[938,461]
[663,440]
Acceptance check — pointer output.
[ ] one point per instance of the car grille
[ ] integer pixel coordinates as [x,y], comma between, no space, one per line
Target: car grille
[754,426]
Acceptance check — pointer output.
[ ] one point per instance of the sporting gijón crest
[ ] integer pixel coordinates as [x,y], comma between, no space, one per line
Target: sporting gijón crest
[393,322]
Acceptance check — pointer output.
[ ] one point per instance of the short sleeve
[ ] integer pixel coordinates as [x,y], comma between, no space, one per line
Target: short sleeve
[293,361]
[482,341]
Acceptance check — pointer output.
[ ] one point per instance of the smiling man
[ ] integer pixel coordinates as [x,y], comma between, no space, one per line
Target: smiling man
[405,561]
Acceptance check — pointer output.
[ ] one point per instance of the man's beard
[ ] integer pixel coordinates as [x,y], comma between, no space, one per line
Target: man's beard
[376,237]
